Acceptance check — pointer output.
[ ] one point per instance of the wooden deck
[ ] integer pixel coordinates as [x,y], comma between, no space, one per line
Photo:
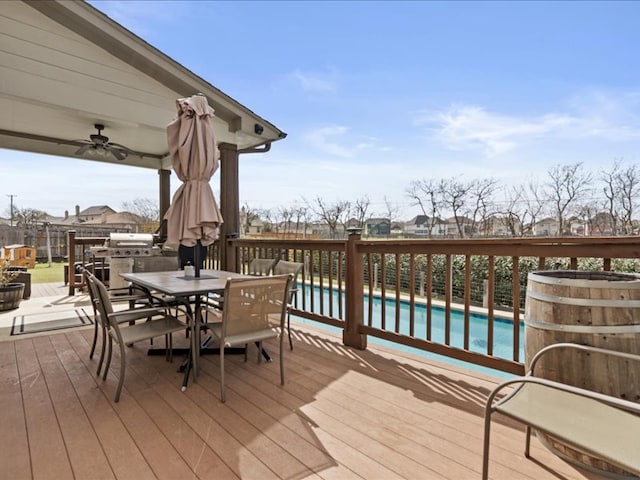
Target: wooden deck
[343,414]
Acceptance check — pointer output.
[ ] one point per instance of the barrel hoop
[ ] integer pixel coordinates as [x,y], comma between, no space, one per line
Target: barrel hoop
[601,329]
[631,284]
[583,302]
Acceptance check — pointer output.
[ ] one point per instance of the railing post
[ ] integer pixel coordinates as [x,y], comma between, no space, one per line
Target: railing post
[354,287]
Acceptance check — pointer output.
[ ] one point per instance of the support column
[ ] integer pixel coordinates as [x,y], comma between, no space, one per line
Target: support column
[164,200]
[355,296]
[229,204]
[71,254]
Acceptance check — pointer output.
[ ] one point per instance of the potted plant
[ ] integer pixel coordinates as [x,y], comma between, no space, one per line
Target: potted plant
[10,291]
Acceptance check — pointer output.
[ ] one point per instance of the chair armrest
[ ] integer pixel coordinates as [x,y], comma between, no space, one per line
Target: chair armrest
[584,348]
[136,314]
[521,381]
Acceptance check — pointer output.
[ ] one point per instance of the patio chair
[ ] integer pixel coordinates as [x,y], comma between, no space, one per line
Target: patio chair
[257,267]
[596,424]
[254,311]
[294,268]
[131,295]
[261,266]
[159,322]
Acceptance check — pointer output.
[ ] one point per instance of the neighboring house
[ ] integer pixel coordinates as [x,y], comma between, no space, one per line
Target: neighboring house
[547,227]
[397,229]
[420,226]
[452,230]
[319,230]
[121,220]
[500,226]
[93,213]
[377,227]
[601,224]
[293,228]
[255,228]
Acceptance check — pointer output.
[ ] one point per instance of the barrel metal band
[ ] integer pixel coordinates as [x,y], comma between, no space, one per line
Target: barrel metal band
[583,302]
[602,329]
[622,282]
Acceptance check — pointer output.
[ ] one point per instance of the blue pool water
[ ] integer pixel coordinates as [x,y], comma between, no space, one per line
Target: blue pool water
[502,329]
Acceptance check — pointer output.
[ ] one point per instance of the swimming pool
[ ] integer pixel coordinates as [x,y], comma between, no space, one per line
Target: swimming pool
[502,329]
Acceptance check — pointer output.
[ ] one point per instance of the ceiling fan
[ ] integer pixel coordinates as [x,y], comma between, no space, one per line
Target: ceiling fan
[99,145]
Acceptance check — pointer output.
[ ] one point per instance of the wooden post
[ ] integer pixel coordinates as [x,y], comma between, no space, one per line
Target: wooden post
[351,335]
[229,204]
[71,254]
[165,200]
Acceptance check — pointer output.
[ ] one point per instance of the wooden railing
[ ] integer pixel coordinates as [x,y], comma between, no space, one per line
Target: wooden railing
[76,253]
[391,289]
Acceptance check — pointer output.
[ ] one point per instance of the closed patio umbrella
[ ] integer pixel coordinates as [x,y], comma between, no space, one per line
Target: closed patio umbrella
[193,218]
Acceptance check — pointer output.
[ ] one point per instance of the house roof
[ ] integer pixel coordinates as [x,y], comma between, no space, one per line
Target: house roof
[418,220]
[97,210]
[66,67]
[116,218]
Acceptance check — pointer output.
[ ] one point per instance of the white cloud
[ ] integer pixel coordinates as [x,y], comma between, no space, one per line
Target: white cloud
[465,127]
[316,82]
[333,140]
[600,116]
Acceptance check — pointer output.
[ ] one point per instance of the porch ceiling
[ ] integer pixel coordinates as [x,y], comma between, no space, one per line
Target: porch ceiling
[65,66]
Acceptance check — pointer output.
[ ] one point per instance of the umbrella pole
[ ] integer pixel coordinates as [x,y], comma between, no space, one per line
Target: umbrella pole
[196,258]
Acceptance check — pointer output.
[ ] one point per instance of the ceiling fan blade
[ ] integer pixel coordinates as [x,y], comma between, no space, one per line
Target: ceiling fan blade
[83,149]
[119,154]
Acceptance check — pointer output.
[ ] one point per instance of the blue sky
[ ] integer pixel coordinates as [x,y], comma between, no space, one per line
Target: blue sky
[374,95]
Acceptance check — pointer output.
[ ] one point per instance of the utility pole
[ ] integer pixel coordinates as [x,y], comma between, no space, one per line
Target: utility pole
[11,196]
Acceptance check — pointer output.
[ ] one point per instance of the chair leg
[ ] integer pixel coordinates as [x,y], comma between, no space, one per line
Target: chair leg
[282,359]
[106,367]
[222,393]
[122,370]
[289,328]
[485,447]
[95,337]
[527,442]
[102,352]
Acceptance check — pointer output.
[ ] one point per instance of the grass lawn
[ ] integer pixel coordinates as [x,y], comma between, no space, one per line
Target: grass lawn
[42,273]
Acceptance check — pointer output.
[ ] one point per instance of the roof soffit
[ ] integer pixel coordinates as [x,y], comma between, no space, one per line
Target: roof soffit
[90,23]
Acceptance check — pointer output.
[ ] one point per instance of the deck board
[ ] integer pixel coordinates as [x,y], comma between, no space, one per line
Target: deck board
[342,414]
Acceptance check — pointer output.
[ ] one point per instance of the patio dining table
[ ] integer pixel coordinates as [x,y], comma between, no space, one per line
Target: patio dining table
[176,284]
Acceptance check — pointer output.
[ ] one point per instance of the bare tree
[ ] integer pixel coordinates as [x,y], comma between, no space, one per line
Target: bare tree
[535,204]
[286,215]
[145,208]
[566,186]
[513,212]
[28,217]
[301,214]
[332,214]
[481,192]
[248,216]
[268,217]
[455,196]
[391,210]
[359,210]
[628,184]
[426,195]
[611,193]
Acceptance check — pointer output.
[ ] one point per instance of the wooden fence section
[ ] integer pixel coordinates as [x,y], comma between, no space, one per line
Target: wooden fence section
[391,289]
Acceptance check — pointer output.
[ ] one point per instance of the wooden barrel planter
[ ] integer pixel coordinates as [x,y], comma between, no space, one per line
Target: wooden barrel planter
[10,296]
[601,309]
